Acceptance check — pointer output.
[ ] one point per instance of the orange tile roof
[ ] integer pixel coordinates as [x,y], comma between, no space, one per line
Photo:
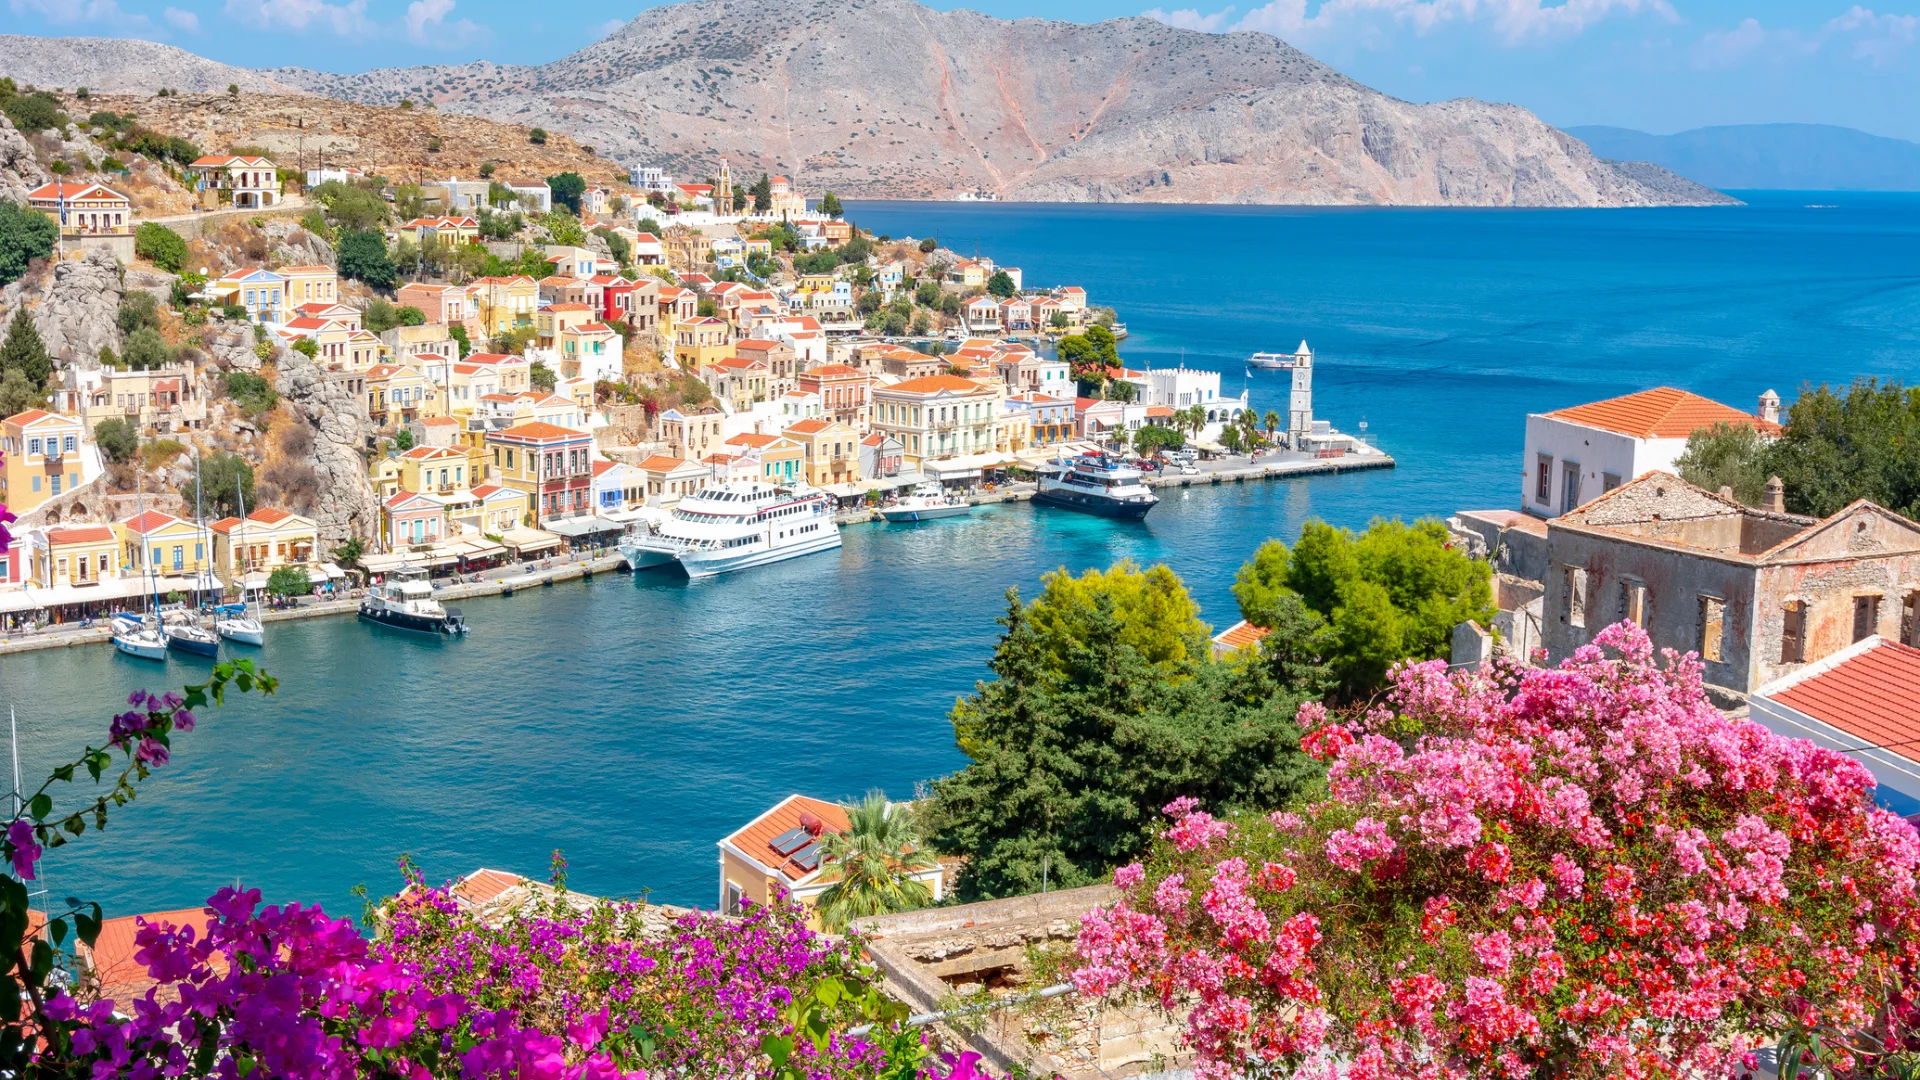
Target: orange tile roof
[809,427]
[834,370]
[483,884]
[568,307]
[1660,413]
[748,438]
[540,429]
[30,416]
[662,463]
[121,975]
[756,838]
[1873,696]
[269,515]
[1240,635]
[224,525]
[933,384]
[82,534]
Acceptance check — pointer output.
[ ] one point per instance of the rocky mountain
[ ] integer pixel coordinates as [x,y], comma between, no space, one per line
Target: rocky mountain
[888,98]
[1789,157]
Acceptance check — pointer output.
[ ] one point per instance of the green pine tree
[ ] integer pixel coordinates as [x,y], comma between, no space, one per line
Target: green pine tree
[25,352]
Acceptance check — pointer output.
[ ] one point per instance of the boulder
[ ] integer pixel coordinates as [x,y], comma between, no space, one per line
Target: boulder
[295,246]
[76,308]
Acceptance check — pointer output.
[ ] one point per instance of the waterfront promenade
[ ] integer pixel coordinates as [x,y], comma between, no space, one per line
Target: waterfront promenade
[505,580]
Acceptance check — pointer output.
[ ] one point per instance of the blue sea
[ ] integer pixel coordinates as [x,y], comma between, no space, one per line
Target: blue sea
[633,722]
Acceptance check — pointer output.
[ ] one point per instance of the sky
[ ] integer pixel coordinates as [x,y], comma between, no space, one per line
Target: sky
[1655,65]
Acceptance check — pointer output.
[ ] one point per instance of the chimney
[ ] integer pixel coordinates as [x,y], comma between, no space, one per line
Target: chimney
[1769,407]
[1776,497]
[1726,492]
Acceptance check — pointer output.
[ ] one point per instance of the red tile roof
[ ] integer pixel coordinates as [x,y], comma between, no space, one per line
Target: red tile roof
[1660,413]
[1873,695]
[149,521]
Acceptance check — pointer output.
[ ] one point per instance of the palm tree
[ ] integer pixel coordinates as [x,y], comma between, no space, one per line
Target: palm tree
[1195,418]
[876,857]
[1273,423]
[1250,424]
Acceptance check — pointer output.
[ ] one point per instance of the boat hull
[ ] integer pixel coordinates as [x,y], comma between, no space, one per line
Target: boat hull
[1092,504]
[646,558]
[194,646]
[143,650]
[248,633]
[706,564]
[419,624]
[925,513]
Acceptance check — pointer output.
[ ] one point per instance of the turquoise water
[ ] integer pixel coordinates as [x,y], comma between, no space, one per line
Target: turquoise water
[633,722]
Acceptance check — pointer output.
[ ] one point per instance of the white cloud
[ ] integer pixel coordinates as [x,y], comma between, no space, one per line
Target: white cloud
[608,28]
[182,20]
[348,19]
[1189,19]
[1513,21]
[1877,39]
[75,11]
[427,25]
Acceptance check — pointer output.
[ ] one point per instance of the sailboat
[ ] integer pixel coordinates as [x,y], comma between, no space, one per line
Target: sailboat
[189,636]
[241,625]
[143,639]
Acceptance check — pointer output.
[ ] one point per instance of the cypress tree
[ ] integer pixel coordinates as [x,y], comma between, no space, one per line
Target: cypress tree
[25,352]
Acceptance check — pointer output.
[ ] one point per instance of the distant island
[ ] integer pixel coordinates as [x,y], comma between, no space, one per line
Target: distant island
[1789,157]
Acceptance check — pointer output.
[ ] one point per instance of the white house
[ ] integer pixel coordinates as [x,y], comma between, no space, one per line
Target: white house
[1576,454]
[1863,701]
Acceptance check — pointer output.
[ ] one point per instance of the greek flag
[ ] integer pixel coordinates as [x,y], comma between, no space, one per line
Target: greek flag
[60,193]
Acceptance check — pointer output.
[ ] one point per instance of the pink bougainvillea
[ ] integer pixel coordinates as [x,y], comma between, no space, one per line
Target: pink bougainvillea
[1584,871]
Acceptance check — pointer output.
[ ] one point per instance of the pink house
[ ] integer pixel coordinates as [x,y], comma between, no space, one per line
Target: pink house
[413,518]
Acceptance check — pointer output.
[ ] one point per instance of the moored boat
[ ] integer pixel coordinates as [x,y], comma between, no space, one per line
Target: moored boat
[143,641]
[1096,484]
[193,638]
[735,526]
[405,601]
[927,502]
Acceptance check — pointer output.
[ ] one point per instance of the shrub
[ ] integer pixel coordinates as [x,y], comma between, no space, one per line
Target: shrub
[538,136]
[289,581]
[929,245]
[363,257]
[34,112]
[487,170]
[145,349]
[160,246]
[1579,872]
[251,392]
[25,235]
[117,439]
[138,308]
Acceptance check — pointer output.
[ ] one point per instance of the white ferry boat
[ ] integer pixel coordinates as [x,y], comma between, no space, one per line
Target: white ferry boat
[734,526]
[1096,484]
[928,502]
[1277,361]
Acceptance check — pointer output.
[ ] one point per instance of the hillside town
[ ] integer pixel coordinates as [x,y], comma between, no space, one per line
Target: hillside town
[465,374]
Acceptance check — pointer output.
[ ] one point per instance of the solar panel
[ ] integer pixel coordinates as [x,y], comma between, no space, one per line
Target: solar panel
[807,858]
[790,841]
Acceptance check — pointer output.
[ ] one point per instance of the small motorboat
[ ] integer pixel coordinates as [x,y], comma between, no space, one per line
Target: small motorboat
[142,641]
[927,502]
[193,638]
[125,622]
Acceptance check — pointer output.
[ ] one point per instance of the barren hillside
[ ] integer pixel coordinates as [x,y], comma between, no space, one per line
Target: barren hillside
[302,130]
[887,98]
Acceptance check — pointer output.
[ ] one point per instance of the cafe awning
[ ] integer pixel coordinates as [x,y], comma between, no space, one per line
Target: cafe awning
[33,598]
[524,540]
[575,528]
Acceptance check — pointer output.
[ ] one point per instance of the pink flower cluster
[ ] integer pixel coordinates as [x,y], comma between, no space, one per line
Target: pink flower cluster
[1584,871]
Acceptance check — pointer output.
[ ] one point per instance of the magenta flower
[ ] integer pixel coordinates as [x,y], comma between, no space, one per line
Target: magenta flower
[26,853]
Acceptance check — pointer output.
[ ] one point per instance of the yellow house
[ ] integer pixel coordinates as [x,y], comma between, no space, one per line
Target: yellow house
[831,451]
[781,459]
[444,231]
[164,543]
[968,274]
[42,457]
[310,285]
[700,341]
[781,851]
[504,303]
[397,393]
[72,555]
[262,542]
[555,319]
[436,469]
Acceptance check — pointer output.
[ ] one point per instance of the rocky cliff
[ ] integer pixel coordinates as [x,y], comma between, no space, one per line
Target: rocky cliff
[75,305]
[887,98]
[317,468]
[20,170]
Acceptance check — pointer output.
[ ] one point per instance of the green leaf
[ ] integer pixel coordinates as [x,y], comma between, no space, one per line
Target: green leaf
[57,930]
[245,1064]
[88,926]
[64,773]
[778,1048]
[41,806]
[75,825]
[829,991]
[210,1046]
